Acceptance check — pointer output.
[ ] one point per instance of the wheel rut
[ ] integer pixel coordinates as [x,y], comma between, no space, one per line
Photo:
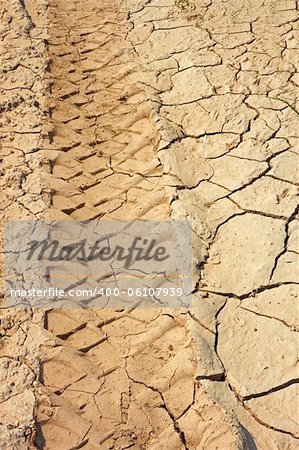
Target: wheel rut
[111,379]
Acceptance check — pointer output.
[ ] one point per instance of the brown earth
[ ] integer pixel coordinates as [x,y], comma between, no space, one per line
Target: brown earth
[154,110]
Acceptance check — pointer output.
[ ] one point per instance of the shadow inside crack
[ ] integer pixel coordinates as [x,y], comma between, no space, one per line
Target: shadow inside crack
[250,443]
[40,440]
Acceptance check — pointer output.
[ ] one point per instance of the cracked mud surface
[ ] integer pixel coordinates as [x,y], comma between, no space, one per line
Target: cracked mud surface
[154,110]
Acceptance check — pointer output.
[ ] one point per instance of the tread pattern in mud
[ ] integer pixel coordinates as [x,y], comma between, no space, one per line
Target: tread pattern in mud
[106,164]
[132,377]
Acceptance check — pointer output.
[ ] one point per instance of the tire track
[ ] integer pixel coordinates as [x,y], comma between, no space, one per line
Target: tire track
[113,379]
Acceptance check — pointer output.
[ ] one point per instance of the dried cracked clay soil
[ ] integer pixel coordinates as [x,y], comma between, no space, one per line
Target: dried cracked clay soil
[156,109]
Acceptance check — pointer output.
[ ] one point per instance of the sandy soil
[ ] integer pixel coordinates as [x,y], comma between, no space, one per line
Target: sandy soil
[162,109]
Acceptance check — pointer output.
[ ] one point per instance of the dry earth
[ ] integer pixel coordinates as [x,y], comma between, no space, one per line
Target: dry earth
[157,109]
